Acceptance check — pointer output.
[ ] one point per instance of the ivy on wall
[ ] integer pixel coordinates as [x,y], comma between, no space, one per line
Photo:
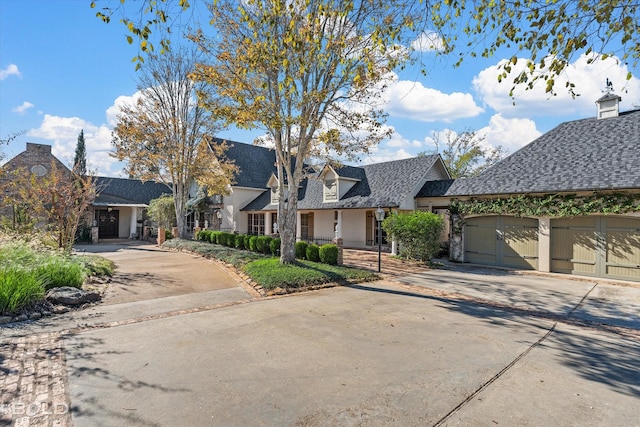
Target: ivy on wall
[552,205]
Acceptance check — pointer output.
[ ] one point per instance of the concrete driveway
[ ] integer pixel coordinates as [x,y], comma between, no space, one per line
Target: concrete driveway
[445,347]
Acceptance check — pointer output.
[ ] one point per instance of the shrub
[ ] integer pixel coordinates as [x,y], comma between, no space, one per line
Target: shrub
[313,253]
[213,237]
[329,254]
[252,243]
[301,249]
[230,240]
[267,245]
[168,235]
[247,244]
[275,246]
[204,235]
[239,241]
[418,233]
[261,244]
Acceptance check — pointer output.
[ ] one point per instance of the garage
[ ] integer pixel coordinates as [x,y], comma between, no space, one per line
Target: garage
[599,246]
[502,240]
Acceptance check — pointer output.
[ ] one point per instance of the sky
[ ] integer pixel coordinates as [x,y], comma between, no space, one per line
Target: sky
[62,70]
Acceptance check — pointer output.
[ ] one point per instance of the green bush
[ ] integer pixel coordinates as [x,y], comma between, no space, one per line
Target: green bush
[239,241]
[231,240]
[213,237]
[275,246]
[261,244]
[204,236]
[19,289]
[313,253]
[247,243]
[301,249]
[167,234]
[329,254]
[418,233]
[253,243]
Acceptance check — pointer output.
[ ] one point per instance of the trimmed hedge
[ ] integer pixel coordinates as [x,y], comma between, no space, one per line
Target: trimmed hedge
[239,241]
[301,249]
[329,254]
[313,252]
[275,246]
[252,243]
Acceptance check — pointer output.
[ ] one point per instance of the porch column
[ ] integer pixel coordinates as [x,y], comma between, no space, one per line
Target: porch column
[268,227]
[339,226]
[544,244]
[394,242]
[298,226]
[133,224]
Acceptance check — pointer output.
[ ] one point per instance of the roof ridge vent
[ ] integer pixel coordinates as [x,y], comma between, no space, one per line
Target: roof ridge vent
[609,103]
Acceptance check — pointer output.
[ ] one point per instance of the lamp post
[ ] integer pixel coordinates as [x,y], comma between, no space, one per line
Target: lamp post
[379,219]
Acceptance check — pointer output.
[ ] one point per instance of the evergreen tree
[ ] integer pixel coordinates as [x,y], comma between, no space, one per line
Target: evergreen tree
[80,159]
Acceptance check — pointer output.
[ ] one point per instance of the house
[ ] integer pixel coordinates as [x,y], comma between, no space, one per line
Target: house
[332,201]
[119,207]
[568,202]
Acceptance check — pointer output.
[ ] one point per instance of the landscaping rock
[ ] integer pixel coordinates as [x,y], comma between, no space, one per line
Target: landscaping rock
[5,319]
[35,315]
[60,309]
[21,318]
[67,295]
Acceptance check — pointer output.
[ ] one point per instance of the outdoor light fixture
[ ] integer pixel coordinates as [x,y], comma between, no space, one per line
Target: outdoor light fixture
[379,218]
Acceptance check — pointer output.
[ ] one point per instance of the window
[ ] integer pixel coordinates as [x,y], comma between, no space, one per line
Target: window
[275,196]
[256,224]
[330,190]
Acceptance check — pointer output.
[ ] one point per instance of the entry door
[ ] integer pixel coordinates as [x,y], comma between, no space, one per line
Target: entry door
[503,241]
[108,223]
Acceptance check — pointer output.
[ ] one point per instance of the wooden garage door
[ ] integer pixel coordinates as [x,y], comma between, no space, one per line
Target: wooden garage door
[503,241]
[596,246]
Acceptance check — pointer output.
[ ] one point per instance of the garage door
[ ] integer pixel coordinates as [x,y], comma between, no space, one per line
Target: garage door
[502,241]
[596,246]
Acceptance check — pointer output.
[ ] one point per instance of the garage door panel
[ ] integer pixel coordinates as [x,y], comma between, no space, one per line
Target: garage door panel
[596,246]
[504,241]
[480,241]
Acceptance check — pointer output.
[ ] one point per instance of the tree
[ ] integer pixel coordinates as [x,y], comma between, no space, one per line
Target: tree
[80,159]
[162,211]
[165,136]
[418,233]
[56,201]
[551,32]
[464,154]
[308,73]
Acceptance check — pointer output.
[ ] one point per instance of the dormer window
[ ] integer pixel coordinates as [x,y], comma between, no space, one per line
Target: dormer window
[330,190]
[275,196]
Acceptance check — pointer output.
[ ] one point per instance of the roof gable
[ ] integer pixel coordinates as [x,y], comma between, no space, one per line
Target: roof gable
[128,191]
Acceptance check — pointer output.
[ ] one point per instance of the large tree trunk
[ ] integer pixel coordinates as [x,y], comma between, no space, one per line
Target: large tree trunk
[287,224]
[179,202]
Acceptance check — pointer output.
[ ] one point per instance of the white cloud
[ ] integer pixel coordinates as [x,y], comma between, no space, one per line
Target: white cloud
[411,100]
[379,155]
[11,70]
[114,111]
[589,80]
[428,41]
[511,134]
[63,133]
[22,108]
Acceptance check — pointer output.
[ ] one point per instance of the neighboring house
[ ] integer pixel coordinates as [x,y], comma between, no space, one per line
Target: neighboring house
[332,202]
[595,160]
[119,207]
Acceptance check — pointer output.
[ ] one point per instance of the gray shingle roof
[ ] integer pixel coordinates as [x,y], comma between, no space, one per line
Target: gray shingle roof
[435,188]
[581,155]
[255,164]
[122,191]
[385,184]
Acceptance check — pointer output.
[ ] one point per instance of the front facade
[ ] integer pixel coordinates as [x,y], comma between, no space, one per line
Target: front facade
[333,202]
[568,202]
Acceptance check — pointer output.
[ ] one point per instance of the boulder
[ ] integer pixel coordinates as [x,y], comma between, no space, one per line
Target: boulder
[67,295]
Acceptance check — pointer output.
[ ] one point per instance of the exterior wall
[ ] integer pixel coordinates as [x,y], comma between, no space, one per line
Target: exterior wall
[232,217]
[354,228]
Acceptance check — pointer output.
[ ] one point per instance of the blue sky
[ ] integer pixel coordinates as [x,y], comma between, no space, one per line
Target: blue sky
[63,70]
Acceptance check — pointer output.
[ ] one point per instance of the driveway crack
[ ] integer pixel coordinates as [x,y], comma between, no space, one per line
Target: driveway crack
[495,377]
